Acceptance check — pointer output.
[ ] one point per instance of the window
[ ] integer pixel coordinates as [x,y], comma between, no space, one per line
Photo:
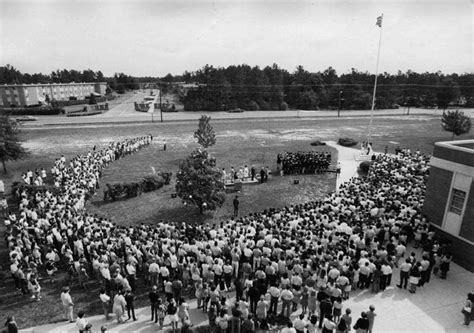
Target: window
[457,201]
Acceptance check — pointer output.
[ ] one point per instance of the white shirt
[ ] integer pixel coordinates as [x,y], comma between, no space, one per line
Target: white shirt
[104,298]
[66,299]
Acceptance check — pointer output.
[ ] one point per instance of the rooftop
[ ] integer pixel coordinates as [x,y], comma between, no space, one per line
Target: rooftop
[466,146]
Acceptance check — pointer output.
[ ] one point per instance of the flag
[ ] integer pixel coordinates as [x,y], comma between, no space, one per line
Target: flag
[379,21]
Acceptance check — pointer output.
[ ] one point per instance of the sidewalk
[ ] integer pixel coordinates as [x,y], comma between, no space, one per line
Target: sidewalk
[434,308]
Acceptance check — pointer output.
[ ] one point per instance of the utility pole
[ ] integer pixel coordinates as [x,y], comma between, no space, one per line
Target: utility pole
[161,109]
[339,104]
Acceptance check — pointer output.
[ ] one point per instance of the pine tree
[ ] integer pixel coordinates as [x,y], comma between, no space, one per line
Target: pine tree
[205,133]
[10,143]
[199,182]
[456,122]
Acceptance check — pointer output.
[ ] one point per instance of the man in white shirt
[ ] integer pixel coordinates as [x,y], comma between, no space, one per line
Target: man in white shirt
[289,328]
[154,270]
[286,297]
[82,323]
[68,305]
[300,324]
[105,301]
[274,292]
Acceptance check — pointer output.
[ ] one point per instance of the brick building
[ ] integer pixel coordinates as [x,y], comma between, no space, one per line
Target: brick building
[449,201]
[32,94]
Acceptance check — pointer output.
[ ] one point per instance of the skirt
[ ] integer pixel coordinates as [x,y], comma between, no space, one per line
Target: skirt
[173,318]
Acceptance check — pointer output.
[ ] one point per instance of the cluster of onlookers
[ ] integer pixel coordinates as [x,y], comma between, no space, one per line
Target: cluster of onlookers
[306,257]
[52,229]
[308,162]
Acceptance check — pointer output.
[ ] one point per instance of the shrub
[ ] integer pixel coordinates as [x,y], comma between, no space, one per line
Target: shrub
[264,105]
[253,106]
[347,142]
[284,106]
[32,111]
[318,143]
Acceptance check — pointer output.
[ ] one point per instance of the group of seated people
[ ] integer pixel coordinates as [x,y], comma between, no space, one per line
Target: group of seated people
[278,260]
[303,162]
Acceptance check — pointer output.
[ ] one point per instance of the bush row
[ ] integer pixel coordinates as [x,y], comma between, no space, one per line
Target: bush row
[35,111]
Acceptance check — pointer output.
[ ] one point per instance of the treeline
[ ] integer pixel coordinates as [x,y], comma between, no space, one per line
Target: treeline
[11,75]
[119,82]
[273,88]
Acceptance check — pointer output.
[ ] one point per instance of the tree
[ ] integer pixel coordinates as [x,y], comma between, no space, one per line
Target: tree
[205,133]
[447,92]
[456,122]
[199,182]
[10,144]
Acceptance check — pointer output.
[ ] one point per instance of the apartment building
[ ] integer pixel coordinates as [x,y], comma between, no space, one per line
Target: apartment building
[32,94]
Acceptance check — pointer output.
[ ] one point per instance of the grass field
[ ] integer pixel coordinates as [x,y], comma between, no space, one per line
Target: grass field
[240,142]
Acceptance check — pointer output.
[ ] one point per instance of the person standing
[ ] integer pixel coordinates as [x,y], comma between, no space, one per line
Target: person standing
[325,309]
[262,175]
[119,306]
[105,301]
[253,173]
[467,309]
[154,297]
[345,322]
[405,269]
[130,299]
[274,292]
[444,266]
[371,317]
[236,206]
[286,298]
[262,309]
[183,311]
[68,305]
[362,324]
[414,279]
[11,325]
[300,324]
[82,323]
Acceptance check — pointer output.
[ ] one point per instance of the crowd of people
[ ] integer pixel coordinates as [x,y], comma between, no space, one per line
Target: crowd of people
[51,229]
[307,162]
[307,257]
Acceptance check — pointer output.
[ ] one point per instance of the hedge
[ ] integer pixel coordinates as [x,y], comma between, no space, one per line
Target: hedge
[83,113]
[35,111]
[318,143]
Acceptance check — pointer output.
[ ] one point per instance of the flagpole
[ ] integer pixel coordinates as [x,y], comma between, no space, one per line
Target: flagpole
[375,85]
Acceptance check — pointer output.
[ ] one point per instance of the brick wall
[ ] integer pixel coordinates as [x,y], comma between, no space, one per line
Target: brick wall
[454,155]
[437,192]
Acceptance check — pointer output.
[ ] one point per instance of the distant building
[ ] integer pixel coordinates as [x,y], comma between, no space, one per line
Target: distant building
[184,88]
[32,94]
[449,201]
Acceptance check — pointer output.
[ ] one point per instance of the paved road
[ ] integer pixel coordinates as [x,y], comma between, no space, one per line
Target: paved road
[124,113]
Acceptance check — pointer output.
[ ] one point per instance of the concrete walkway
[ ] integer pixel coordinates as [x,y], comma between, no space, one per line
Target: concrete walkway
[434,308]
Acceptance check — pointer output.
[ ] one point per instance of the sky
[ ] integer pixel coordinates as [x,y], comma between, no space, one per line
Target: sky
[153,38]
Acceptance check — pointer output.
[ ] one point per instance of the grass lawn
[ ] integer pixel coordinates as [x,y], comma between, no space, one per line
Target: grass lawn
[240,142]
